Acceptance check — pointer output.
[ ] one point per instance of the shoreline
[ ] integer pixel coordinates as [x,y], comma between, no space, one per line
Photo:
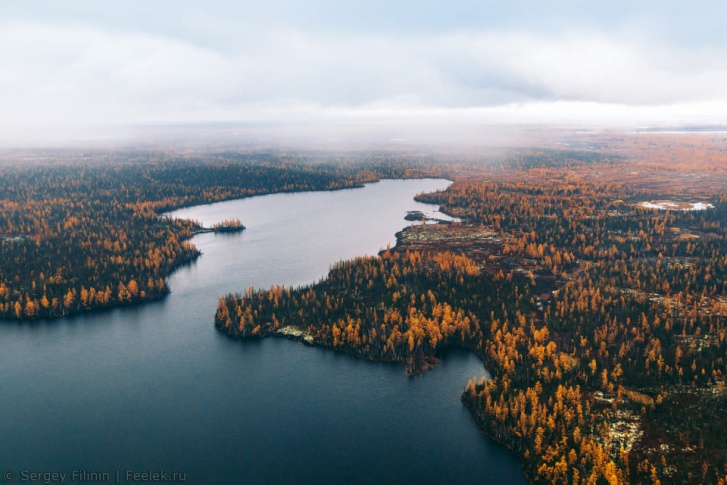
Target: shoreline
[414,365]
[164,213]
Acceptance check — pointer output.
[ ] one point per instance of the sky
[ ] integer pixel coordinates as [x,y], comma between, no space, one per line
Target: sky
[76,63]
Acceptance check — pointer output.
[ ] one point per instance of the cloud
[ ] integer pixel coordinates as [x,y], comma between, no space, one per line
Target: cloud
[583,67]
[200,66]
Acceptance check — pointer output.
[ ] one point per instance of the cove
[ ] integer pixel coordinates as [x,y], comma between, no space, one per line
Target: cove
[156,387]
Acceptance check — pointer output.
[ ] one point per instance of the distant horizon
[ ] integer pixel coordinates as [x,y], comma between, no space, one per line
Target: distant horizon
[332,134]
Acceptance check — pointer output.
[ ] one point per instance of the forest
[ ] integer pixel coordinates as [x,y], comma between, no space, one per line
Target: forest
[601,318]
[85,231]
[602,322]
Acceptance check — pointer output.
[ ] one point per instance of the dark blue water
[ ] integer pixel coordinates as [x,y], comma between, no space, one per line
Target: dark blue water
[156,387]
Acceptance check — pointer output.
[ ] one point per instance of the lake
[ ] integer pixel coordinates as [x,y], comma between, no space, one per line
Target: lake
[156,388]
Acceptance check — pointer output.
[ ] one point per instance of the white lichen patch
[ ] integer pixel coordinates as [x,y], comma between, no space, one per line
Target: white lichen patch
[291,331]
[624,429]
[697,343]
[671,205]
[438,233]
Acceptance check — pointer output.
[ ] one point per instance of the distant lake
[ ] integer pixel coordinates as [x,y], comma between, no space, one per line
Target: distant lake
[157,388]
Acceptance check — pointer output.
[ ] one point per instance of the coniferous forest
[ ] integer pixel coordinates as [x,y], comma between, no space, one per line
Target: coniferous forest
[591,283]
[601,317]
[85,231]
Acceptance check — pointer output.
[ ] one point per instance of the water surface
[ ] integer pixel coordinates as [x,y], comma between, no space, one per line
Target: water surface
[156,387]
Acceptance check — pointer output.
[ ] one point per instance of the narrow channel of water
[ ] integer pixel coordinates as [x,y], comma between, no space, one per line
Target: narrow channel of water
[156,387]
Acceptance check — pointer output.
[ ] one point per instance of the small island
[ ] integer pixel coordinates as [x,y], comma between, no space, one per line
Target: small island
[415,216]
[228,225]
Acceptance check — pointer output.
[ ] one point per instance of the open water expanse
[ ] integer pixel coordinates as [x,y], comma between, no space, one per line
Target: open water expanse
[157,388]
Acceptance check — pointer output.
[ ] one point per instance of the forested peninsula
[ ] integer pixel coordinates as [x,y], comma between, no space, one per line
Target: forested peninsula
[601,318]
[81,231]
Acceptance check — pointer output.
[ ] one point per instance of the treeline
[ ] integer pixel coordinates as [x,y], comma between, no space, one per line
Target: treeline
[552,158]
[590,382]
[84,234]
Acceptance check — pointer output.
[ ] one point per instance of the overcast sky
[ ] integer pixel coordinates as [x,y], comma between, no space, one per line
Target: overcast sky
[81,62]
